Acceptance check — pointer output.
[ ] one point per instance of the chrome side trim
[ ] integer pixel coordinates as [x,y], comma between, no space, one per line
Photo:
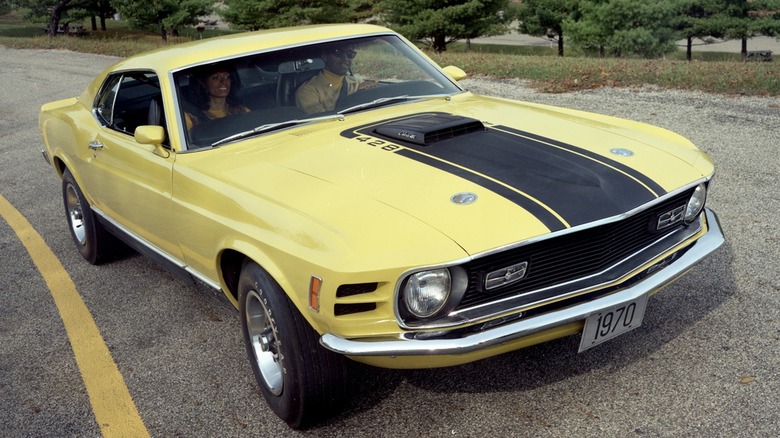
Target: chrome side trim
[403,346]
[153,252]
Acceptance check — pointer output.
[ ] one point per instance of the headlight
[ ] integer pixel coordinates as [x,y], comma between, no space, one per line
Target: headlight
[695,204]
[426,292]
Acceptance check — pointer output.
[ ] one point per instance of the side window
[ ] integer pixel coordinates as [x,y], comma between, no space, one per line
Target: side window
[128,100]
[104,107]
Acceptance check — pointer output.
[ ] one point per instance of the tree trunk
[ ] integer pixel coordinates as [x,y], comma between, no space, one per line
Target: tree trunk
[744,48]
[94,23]
[560,44]
[439,44]
[688,50]
[56,14]
[54,23]
[104,11]
[163,34]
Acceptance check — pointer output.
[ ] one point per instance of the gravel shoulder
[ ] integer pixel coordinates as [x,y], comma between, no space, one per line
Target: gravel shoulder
[704,363]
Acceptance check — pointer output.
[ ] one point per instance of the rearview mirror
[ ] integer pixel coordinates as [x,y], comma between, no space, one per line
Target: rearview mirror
[302,65]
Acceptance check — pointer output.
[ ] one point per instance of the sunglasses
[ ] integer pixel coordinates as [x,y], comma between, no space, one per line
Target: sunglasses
[351,54]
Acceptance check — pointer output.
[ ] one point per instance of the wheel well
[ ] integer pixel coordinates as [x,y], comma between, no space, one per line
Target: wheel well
[59,166]
[230,264]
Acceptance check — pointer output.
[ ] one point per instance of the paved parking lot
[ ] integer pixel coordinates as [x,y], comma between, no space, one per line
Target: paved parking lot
[704,363]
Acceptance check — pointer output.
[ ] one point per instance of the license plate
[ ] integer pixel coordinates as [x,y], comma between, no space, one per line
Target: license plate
[612,322]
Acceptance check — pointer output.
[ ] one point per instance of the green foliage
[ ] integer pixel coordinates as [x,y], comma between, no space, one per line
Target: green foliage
[748,18]
[164,15]
[545,18]
[700,18]
[703,19]
[624,27]
[440,22]
[268,14]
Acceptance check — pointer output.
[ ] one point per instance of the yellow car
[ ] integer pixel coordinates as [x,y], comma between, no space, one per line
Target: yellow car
[353,201]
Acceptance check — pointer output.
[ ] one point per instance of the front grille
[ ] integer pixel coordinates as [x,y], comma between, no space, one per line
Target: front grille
[348,290]
[349,309]
[570,256]
[351,290]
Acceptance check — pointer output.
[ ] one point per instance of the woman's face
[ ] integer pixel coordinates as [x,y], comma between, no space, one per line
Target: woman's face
[218,83]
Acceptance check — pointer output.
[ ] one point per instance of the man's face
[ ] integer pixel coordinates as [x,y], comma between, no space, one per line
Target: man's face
[339,60]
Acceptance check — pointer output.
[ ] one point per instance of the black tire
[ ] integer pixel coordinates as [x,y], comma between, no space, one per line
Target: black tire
[301,381]
[91,239]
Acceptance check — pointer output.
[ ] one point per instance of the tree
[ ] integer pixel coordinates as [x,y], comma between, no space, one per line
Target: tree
[93,9]
[165,15]
[544,18]
[50,11]
[624,27]
[440,22]
[703,19]
[749,18]
[268,14]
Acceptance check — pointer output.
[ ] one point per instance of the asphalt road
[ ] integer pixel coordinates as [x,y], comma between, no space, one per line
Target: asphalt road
[706,361]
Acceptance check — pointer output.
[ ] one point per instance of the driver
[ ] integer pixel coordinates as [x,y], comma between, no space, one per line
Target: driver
[333,83]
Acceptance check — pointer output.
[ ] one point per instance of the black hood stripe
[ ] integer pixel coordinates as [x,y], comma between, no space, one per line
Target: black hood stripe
[642,178]
[561,184]
[544,215]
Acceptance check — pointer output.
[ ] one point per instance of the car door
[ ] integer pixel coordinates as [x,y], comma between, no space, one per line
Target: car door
[130,182]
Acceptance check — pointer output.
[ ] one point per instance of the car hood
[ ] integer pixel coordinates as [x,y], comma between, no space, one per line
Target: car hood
[485,172]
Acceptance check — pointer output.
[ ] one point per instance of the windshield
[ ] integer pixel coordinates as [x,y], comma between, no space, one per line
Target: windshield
[237,98]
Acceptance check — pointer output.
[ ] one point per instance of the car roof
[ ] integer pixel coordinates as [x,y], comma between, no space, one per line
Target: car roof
[228,46]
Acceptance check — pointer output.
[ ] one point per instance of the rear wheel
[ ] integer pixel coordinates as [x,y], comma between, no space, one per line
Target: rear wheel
[91,239]
[300,380]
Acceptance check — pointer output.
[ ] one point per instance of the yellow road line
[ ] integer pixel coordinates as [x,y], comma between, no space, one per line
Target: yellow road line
[114,409]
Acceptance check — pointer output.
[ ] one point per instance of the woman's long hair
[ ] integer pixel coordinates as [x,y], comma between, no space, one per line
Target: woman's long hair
[200,89]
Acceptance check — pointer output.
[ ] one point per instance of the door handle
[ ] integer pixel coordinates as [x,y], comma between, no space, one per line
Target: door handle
[95,145]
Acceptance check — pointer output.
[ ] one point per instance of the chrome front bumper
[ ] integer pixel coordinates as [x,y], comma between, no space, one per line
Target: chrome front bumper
[525,327]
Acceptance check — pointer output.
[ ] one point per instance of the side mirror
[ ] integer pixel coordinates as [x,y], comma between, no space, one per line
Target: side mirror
[152,135]
[455,73]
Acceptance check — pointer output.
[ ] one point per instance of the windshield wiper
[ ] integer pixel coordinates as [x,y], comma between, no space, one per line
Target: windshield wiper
[268,127]
[375,103]
[385,101]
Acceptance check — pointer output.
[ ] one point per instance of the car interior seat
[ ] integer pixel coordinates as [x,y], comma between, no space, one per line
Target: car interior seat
[292,75]
[156,116]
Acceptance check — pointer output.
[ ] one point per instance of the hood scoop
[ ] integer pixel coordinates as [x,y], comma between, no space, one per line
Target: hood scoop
[427,129]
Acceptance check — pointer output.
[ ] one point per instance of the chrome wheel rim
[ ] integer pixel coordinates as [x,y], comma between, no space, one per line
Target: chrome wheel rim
[75,215]
[264,342]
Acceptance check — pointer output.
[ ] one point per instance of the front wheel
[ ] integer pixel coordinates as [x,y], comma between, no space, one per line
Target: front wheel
[300,380]
[93,242]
